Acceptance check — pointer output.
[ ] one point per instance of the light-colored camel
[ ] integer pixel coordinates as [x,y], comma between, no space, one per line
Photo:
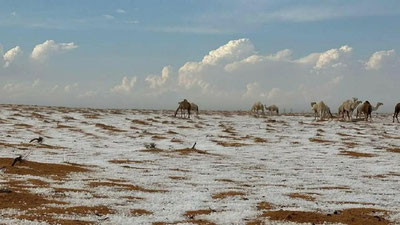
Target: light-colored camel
[366,109]
[373,108]
[320,109]
[256,107]
[347,107]
[396,112]
[272,108]
[195,108]
[183,105]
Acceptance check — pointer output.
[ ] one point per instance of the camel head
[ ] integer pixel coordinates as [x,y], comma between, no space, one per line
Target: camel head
[312,104]
[355,99]
[379,104]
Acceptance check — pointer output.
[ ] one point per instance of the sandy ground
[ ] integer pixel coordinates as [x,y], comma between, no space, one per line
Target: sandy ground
[138,167]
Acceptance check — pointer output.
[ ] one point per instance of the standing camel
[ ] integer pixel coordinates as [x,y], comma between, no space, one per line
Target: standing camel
[348,107]
[272,108]
[183,105]
[321,110]
[195,108]
[257,106]
[396,112]
[366,109]
[373,108]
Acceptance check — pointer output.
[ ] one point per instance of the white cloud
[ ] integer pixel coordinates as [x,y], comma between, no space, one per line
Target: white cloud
[252,90]
[332,57]
[377,59]
[232,51]
[283,55]
[108,17]
[70,87]
[11,55]
[35,83]
[42,51]
[88,94]
[125,87]
[121,11]
[159,81]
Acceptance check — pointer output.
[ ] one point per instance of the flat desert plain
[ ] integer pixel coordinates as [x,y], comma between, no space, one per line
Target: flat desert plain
[100,166]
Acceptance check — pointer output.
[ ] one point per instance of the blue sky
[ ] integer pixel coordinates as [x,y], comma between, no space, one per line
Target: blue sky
[93,45]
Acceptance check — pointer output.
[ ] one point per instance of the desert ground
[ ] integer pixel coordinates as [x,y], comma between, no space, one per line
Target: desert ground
[100,166]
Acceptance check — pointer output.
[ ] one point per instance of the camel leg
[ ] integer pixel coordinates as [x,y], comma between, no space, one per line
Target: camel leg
[178,110]
[188,113]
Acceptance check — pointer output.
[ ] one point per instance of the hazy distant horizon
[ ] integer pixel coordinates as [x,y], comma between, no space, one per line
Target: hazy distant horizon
[222,55]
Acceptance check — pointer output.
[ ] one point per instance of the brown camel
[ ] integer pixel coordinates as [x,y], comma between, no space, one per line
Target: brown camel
[366,109]
[396,112]
[183,105]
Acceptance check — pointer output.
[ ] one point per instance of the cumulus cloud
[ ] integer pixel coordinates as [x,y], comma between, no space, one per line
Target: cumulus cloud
[189,73]
[159,81]
[125,87]
[42,51]
[377,59]
[332,57]
[11,55]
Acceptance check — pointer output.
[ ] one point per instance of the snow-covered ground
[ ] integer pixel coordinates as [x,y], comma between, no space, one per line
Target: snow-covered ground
[239,161]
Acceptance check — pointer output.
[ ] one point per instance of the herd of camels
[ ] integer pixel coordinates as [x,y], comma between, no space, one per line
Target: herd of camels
[320,109]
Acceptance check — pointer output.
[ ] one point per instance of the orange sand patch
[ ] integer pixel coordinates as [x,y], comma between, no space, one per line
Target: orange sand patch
[129,187]
[177,178]
[261,206]
[140,122]
[58,171]
[140,212]
[355,216]
[127,161]
[260,140]
[194,213]
[356,154]
[394,150]
[227,194]
[229,144]
[189,151]
[318,140]
[302,196]
[158,137]
[109,127]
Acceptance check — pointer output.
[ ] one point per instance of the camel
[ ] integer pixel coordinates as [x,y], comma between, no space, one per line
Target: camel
[396,112]
[366,109]
[257,106]
[195,108]
[321,110]
[373,108]
[348,107]
[183,105]
[272,108]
